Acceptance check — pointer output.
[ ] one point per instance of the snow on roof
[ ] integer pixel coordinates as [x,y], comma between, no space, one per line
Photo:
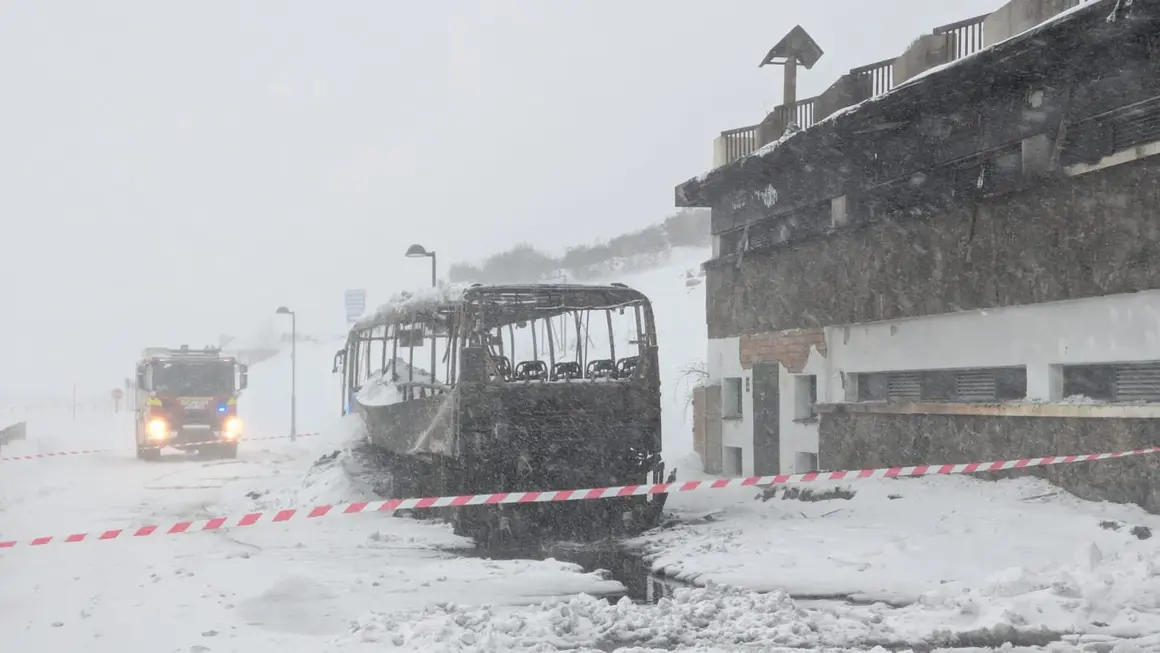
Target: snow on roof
[791,130]
[1025,34]
[409,302]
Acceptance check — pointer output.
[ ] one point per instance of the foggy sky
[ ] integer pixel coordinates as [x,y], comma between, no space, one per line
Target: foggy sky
[173,170]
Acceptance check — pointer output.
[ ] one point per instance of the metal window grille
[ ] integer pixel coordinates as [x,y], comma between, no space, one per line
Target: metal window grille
[975,385]
[905,386]
[1138,382]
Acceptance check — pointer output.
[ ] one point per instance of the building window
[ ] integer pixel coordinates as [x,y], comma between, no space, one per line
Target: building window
[806,397]
[1120,383]
[731,398]
[805,462]
[1010,383]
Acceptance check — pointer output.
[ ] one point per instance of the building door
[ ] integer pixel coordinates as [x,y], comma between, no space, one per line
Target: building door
[699,425]
[766,416]
[713,453]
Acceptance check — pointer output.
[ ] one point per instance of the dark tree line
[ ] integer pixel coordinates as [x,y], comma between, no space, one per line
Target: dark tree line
[635,250]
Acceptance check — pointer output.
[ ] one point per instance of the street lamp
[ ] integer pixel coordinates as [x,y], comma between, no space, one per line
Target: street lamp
[418,251]
[282,310]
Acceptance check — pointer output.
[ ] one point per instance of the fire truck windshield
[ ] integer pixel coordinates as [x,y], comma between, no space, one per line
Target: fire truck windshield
[193,379]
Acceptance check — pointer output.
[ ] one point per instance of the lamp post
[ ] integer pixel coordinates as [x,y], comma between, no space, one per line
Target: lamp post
[282,310]
[418,251]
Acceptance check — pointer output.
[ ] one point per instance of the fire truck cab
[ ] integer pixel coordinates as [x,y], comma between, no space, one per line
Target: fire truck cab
[188,399]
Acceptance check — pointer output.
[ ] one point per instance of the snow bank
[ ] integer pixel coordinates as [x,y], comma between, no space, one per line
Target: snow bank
[379,390]
[733,619]
[1111,591]
[322,471]
[955,554]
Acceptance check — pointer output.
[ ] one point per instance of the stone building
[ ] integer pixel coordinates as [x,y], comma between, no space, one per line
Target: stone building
[951,256]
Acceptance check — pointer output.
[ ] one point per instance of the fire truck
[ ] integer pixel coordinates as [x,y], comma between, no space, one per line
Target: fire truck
[187,399]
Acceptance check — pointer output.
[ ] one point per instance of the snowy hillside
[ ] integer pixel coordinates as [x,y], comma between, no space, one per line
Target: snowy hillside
[679,307]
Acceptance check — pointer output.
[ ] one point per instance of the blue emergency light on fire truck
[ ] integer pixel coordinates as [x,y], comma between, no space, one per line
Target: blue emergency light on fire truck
[188,399]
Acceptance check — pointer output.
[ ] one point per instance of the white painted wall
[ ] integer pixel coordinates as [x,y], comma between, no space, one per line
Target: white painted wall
[725,361]
[797,435]
[1111,329]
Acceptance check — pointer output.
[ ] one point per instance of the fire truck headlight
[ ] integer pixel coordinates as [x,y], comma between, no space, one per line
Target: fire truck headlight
[158,429]
[233,428]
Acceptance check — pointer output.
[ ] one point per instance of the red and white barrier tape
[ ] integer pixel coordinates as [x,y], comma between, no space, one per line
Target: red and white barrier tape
[83,452]
[390,505]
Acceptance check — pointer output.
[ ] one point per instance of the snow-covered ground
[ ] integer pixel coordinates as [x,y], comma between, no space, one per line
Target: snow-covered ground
[915,562]
[277,587]
[925,558]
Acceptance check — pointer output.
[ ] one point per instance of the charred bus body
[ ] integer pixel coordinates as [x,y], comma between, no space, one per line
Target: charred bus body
[536,387]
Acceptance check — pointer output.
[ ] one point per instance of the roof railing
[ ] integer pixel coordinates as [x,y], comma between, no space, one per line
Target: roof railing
[962,39]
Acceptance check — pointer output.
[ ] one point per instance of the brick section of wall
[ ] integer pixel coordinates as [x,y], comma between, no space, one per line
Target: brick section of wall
[791,348]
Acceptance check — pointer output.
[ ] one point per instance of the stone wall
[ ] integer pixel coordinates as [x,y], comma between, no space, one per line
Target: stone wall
[1067,238]
[852,440]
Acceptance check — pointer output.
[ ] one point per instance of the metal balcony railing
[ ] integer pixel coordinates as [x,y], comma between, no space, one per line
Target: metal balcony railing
[966,36]
[872,80]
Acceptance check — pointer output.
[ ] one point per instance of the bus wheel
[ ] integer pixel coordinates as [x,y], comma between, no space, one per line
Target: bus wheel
[148,453]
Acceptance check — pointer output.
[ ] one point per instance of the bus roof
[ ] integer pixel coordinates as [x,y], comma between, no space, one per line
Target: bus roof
[508,303]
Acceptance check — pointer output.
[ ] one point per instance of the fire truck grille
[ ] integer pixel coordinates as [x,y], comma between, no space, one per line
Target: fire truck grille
[198,417]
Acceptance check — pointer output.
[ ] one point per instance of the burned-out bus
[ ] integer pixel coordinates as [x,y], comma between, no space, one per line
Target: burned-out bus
[478,389]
